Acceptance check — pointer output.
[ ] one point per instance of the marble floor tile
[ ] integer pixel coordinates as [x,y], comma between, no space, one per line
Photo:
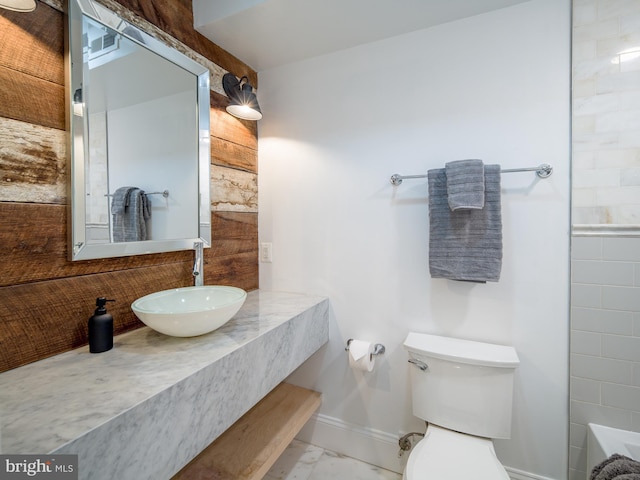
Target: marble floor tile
[296,463]
[302,461]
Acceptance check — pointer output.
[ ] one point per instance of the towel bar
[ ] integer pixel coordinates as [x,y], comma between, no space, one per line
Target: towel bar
[164,193]
[543,171]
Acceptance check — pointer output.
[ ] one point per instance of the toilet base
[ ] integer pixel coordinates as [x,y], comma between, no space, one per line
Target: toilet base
[447,455]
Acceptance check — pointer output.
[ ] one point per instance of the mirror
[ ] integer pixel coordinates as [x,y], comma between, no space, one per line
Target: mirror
[138,115]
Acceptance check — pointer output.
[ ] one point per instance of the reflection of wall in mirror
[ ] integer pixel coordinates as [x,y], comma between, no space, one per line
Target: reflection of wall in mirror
[152,147]
[97,213]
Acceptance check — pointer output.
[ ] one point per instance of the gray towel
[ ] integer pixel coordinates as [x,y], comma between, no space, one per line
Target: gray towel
[616,467]
[120,200]
[131,209]
[465,244]
[465,184]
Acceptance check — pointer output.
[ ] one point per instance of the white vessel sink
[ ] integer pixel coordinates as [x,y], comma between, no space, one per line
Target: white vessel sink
[189,311]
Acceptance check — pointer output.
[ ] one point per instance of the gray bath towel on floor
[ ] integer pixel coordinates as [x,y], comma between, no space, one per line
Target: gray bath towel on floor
[131,209]
[465,244]
[465,184]
[616,467]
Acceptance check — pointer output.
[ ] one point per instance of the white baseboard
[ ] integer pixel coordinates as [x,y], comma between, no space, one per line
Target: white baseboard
[368,445]
[516,474]
[362,443]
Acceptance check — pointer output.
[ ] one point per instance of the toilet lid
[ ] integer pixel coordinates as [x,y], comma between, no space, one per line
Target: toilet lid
[447,455]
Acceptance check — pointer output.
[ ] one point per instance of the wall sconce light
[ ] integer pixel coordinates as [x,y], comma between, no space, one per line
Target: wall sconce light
[19,5]
[244,103]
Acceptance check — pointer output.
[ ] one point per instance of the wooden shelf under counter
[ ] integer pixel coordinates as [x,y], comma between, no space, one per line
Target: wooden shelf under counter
[248,449]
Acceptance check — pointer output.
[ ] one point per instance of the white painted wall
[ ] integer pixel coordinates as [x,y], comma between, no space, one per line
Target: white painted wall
[336,127]
[152,147]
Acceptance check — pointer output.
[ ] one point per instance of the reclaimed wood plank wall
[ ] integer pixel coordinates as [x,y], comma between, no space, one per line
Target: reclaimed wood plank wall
[46,300]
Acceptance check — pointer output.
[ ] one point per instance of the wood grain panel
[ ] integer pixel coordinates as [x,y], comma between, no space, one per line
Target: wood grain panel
[45,318]
[33,43]
[33,247]
[230,128]
[233,256]
[238,271]
[233,226]
[233,190]
[30,99]
[176,18]
[227,154]
[32,163]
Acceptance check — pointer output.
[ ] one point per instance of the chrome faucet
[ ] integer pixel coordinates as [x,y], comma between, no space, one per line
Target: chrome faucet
[198,270]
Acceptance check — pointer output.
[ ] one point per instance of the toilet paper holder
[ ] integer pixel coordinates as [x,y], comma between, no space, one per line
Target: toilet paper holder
[378,349]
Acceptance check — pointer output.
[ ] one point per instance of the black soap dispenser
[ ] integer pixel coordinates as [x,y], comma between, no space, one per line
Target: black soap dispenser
[101,328]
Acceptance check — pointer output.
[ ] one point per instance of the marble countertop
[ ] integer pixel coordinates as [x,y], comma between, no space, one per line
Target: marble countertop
[58,404]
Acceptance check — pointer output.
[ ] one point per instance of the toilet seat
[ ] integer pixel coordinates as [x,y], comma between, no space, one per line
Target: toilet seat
[447,455]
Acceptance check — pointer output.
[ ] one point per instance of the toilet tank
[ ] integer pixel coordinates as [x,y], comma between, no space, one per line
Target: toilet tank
[467,386]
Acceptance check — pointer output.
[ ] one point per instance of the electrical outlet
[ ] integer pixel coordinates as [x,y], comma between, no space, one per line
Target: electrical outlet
[265,252]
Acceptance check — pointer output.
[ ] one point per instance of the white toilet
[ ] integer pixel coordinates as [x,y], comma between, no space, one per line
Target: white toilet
[464,390]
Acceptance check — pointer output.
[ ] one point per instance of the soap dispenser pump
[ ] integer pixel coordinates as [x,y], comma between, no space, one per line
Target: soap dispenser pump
[101,328]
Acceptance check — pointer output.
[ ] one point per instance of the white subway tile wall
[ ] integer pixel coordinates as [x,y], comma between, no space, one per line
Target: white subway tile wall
[605,339]
[606,112]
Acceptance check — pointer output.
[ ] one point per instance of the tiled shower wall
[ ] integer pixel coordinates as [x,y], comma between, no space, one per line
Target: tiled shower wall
[605,339]
[605,283]
[606,112]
